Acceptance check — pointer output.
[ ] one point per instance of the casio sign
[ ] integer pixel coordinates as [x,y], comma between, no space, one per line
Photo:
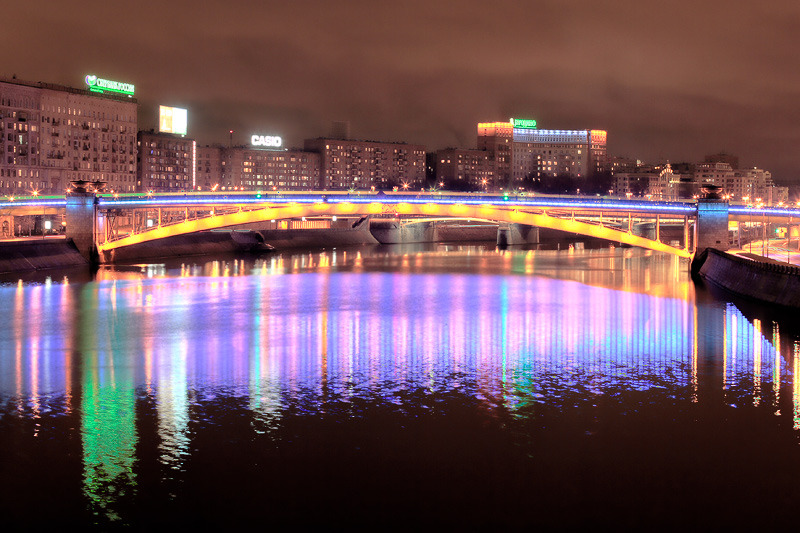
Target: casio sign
[271,141]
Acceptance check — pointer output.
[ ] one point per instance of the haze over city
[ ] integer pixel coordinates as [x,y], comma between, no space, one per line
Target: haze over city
[670,80]
[309,264]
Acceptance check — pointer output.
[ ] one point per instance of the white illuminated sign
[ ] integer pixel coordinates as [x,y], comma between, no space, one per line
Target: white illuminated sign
[172,120]
[270,141]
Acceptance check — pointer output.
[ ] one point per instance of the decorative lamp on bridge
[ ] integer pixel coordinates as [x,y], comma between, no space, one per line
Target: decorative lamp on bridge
[711,191]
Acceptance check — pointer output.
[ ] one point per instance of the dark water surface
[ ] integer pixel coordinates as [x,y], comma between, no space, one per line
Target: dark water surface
[456,387]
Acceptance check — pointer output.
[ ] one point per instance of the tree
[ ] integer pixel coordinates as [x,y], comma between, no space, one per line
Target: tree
[599,182]
[638,187]
[563,183]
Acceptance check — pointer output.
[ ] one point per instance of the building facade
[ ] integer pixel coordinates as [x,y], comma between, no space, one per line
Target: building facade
[253,169]
[664,182]
[165,162]
[208,172]
[349,164]
[51,135]
[519,150]
[753,185]
[545,153]
[497,139]
[466,169]
[655,183]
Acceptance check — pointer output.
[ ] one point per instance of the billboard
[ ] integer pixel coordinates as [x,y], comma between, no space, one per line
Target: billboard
[526,123]
[172,120]
[100,85]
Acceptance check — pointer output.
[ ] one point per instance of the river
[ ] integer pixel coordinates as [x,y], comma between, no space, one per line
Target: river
[449,386]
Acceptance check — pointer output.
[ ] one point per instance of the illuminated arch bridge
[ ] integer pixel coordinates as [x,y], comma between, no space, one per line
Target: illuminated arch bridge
[171,215]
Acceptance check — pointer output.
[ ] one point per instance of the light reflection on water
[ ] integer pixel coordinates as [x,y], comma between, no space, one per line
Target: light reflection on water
[515,331]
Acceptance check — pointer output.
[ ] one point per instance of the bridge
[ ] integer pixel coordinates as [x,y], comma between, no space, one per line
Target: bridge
[102,223]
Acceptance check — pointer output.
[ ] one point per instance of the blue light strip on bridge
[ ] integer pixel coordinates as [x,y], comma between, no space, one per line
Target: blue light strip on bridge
[35,202]
[491,200]
[763,211]
[195,199]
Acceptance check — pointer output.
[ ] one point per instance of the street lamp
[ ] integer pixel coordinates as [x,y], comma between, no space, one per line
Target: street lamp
[36,195]
[788,239]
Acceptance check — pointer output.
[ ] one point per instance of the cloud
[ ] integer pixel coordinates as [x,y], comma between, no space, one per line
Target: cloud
[667,80]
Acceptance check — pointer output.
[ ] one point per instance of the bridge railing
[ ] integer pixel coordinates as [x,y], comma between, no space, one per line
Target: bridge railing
[305,197]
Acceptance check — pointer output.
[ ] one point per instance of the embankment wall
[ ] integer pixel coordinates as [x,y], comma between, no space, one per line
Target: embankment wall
[763,280]
[207,242]
[39,254]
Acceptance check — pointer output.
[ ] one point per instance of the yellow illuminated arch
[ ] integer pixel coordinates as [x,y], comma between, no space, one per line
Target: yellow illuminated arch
[484,212]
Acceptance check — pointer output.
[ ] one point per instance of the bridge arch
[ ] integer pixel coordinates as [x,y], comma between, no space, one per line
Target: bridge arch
[487,212]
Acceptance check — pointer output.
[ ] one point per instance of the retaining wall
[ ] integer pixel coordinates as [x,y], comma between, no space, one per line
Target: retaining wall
[207,242]
[395,232]
[38,254]
[764,280]
[318,238]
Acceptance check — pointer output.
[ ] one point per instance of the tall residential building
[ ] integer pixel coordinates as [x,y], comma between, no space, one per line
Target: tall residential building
[166,162]
[553,152]
[347,164]
[471,169]
[255,169]
[497,139]
[208,172]
[53,134]
[519,150]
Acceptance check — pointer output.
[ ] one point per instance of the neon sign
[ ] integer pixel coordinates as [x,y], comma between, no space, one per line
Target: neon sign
[99,85]
[269,141]
[524,123]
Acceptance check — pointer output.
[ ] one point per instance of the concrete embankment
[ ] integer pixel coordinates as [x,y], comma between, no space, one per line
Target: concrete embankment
[396,231]
[753,277]
[318,237]
[38,254]
[344,232]
[207,242]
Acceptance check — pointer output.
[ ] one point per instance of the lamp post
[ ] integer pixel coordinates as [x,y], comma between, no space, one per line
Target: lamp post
[36,195]
[788,239]
[767,233]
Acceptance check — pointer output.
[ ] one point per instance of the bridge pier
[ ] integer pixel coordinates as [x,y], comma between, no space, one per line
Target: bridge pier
[510,234]
[395,231]
[711,228]
[82,223]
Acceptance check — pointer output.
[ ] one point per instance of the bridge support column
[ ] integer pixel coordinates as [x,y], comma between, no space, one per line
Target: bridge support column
[396,232]
[82,226]
[711,229]
[510,234]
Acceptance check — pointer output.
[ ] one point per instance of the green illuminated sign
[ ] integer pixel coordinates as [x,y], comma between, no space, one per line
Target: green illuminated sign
[524,123]
[99,85]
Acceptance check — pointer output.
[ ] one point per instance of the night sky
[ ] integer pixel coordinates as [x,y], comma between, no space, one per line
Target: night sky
[668,80]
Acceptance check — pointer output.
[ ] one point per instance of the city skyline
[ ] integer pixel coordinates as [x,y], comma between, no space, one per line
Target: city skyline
[674,82]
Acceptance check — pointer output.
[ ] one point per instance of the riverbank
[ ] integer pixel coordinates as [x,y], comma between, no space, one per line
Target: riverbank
[751,276]
[21,255]
[25,255]
[202,243]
